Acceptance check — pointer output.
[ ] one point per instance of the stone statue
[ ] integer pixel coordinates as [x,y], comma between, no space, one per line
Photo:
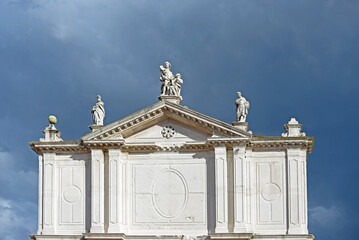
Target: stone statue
[176,85]
[171,85]
[98,112]
[242,106]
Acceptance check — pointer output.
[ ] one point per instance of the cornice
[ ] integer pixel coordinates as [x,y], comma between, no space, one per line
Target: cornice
[198,146]
[263,143]
[104,143]
[229,142]
[58,147]
[256,143]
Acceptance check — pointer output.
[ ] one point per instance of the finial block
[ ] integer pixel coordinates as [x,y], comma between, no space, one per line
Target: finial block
[51,133]
[293,129]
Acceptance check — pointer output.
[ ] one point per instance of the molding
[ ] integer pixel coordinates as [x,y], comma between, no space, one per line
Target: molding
[255,143]
[58,147]
[265,143]
[161,109]
[214,236]
[165,148]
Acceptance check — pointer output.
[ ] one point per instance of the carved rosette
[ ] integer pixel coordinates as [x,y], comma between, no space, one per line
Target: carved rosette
[168,132]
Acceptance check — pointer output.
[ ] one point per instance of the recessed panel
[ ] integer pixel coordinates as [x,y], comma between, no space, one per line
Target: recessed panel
[167,194]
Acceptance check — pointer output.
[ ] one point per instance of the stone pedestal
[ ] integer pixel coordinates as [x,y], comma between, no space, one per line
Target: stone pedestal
[95,127]
[293,129]
[51,134]
[172,99]
[241,125]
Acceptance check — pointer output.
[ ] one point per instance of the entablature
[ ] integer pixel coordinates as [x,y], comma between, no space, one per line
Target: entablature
[257,143]
[59,147]
[263,143]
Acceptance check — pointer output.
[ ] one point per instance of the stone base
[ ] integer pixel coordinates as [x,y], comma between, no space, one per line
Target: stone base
[215,236]
[241,125]
[172,99]
[95,127]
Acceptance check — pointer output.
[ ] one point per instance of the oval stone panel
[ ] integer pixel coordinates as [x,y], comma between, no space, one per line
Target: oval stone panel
[72,194]
[169,193]
[271,192]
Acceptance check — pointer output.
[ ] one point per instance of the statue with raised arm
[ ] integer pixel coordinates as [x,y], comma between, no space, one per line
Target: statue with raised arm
[171,85]
[98,112]
[242,106]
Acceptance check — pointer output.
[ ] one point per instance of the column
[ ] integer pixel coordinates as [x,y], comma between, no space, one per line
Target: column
[221,189]
[47,189]
[242,200]
[297,190]
[97,191]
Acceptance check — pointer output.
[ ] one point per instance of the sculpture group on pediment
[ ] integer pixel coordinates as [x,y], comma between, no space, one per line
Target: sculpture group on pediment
[171,84]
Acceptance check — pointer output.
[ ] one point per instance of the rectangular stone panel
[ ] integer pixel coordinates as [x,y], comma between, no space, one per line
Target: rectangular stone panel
[166,194]
[270,192]
[72,184]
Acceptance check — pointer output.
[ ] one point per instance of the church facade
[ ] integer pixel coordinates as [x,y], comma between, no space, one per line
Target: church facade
[168,172]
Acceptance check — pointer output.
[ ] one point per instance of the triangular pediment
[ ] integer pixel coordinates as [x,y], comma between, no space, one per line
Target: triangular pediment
[168,132]
[153,119]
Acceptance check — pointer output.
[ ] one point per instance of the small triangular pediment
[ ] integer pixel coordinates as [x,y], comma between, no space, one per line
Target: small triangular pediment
[148,123]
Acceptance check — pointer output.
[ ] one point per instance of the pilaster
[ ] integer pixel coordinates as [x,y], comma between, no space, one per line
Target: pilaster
[242,200]
[297,191]
[97,191]
[221,189]
[117,211]
[40,200]
[48,194]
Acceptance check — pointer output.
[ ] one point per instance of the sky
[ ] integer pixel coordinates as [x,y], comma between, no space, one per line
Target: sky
[288,58]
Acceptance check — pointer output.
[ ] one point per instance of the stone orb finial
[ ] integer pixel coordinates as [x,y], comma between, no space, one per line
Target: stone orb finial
[52,119]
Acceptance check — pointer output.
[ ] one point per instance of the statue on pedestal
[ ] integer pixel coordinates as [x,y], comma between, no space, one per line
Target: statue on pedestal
[171,84]
[242,106]
[98,112]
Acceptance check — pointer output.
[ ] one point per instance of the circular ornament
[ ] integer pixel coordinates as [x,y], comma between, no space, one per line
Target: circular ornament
[52,119]
[271,192]
[72,194]
[168,131]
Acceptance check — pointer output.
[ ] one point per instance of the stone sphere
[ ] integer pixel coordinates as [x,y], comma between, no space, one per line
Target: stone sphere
[52,119]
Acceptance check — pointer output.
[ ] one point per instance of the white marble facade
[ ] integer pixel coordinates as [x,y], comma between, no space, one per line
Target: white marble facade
[168,172]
